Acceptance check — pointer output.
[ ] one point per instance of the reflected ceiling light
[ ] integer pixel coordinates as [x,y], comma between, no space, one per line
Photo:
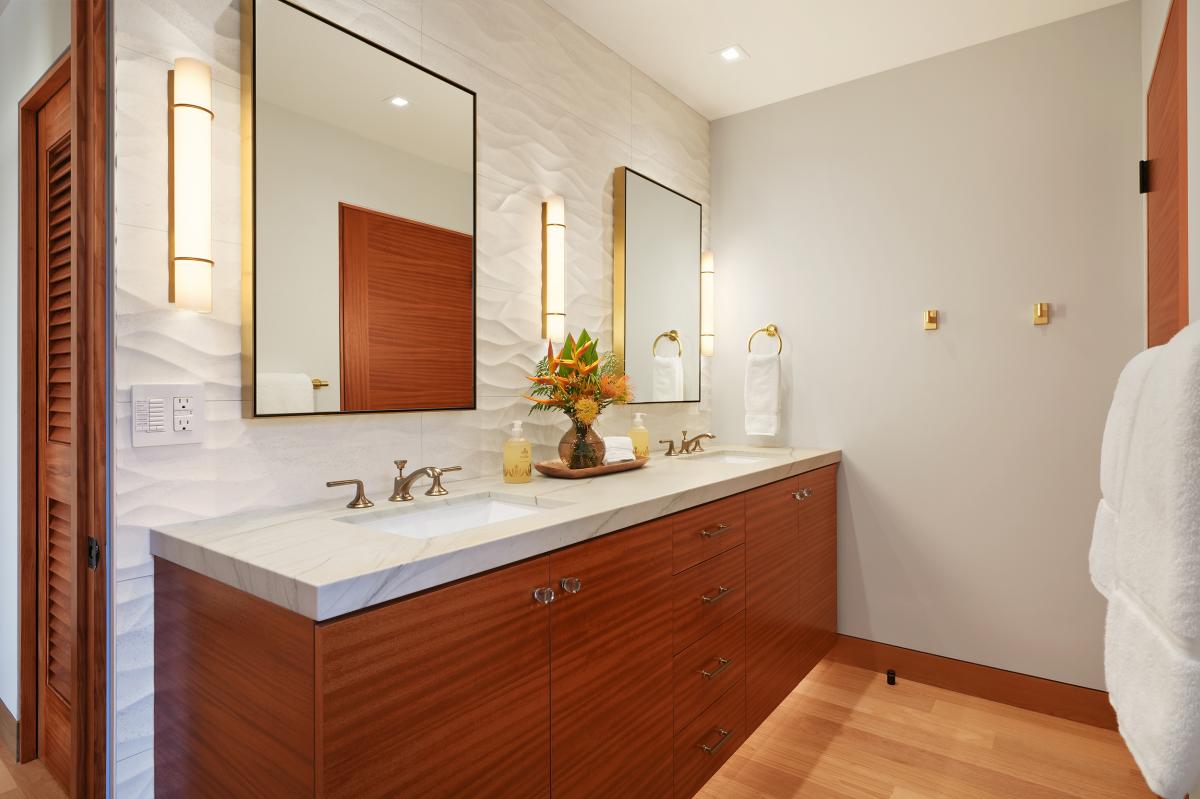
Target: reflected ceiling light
[732,53]
[554,268]
[190,143]
[398,101]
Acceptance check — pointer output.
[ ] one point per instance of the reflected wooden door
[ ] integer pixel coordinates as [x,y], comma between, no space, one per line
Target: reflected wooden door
[1166,202]
[407,314]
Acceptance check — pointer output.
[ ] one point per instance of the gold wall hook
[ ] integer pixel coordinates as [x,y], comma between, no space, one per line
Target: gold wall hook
[319,383]
[931,319]
[1041,313]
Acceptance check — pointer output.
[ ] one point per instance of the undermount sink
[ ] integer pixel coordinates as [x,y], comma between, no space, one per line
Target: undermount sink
[445,517]
[729,456]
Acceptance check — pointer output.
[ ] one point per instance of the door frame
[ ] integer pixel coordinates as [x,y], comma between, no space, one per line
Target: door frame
[85,64]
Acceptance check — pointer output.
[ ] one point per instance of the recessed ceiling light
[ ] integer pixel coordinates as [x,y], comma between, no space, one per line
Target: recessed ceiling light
[732,53]
[398,101]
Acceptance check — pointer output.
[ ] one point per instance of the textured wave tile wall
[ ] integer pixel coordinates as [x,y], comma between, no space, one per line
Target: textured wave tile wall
[557,112]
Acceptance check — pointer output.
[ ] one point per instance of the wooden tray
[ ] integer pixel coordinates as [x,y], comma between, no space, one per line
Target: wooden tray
[560,470]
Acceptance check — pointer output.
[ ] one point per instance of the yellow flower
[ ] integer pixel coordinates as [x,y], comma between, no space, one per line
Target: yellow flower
[586,410]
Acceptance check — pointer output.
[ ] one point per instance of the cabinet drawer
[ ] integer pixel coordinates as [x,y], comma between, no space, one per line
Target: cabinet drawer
[701,533]
[707,668]
[707,742]
[708,595]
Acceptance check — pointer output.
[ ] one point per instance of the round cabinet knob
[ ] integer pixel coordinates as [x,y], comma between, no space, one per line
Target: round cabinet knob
[572,585]
[543,596]
[802,494]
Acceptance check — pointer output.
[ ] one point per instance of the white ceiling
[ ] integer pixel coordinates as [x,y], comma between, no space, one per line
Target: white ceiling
[795,46]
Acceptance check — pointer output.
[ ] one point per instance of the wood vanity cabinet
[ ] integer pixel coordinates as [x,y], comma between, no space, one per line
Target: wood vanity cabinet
[664,646]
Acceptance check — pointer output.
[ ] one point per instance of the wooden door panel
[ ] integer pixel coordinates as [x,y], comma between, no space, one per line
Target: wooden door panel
[407,314]
[817,568]
[1166,202]
[446,694]
[611,670]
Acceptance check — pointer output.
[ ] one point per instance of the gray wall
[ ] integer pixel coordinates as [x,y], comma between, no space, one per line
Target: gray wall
[978,183]
[33,34]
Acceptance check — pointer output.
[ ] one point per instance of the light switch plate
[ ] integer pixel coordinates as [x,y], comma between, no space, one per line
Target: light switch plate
[167,414]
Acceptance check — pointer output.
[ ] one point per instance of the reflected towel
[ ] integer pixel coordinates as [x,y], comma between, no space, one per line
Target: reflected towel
[762,395]
[618,449]
[284,392]
[668,379]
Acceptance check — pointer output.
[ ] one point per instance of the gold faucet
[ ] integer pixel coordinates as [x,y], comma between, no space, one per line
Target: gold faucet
[402,485]
[360,498]
[671,453]
[690,445]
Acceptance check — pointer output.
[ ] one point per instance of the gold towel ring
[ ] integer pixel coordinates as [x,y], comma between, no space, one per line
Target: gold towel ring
[772,332]
[670,335]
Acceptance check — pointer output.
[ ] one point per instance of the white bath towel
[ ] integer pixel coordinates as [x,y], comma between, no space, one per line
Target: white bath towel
[668,379]
[284,392]
[618,449]
[1152,631]
[762,395]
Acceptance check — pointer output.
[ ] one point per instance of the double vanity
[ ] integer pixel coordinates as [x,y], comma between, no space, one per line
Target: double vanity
[617,636]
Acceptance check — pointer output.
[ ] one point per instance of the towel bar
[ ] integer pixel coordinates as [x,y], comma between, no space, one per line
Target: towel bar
[772,332]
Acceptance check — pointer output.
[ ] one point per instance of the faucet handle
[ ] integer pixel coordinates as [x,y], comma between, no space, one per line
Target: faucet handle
[400,466]
[450,468]
[670,447]
[437,489]
[360,498]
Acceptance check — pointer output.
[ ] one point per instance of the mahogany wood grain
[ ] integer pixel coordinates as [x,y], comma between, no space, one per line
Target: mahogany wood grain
[724,720]
[1063,700]
[446,694]
[723,520]
[772,596]
[722,580]
[611,667]
[1166,202]
[706,669]
[407,314]
[817,568]
[233,691]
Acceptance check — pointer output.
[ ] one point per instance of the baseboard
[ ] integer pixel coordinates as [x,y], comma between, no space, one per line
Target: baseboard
[8,730]
[1064,700]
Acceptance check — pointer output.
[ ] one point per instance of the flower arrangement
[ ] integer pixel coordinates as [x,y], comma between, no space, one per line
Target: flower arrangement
[581,383]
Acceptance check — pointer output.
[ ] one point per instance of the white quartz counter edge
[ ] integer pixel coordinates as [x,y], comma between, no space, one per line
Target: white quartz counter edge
[308,561]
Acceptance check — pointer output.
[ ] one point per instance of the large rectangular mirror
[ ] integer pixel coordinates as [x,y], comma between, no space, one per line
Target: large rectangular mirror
[363,224]
[656,287]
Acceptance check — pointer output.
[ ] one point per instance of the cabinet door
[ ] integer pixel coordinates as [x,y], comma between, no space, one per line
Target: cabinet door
[611,661]
[772,597]
[446,694]
[818,566]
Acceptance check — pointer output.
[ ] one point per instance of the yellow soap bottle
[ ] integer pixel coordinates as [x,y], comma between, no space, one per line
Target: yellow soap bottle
[640,436]
[518,457]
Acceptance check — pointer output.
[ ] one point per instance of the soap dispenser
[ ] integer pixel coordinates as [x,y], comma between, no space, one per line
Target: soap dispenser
[518,457]
[640,436]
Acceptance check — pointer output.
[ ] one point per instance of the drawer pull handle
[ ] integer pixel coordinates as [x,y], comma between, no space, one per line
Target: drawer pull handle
[712,750]
[802,494]
[715,531]
[572,585]
[543,596]
[722,664]
[717,597]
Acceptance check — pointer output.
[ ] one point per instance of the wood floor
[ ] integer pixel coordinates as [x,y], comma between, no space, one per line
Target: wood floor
[25,781]
[845,733]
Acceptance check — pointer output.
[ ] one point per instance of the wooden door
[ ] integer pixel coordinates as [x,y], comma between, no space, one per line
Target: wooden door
[57,625]
[772,596]
[407,314]
[1166,202]
[611,666]
[818,567]
[446,694]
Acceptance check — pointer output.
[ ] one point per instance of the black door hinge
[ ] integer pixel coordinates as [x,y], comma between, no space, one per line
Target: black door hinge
[1143,177]
[93,553]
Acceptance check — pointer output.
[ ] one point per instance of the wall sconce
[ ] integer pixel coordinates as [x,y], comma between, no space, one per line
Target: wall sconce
[1041,313]
[190,186]
[931,319]
[708,276]
[554,277]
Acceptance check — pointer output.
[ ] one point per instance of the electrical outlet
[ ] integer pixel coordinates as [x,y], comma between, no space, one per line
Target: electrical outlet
[183,403]
[183,422]
[167,414]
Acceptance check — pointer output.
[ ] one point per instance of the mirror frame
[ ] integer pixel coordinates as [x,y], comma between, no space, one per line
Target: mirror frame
[250,206]
[619,271]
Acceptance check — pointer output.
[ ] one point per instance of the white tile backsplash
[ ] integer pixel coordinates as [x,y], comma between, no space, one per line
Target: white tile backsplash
[557,112]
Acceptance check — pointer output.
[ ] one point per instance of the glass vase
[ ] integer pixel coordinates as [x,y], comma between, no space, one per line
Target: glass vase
[581,447]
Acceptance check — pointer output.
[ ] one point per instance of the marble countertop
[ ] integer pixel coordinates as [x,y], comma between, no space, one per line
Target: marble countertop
[311,561]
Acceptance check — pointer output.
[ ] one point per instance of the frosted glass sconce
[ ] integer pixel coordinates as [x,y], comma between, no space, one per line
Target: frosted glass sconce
[708,278]
[190,200]
[554,268]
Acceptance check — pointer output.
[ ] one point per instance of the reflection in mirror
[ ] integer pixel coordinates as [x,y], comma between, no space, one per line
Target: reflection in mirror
[364,224]
[656,302]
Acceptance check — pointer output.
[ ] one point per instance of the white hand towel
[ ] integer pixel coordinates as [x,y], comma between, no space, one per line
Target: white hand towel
[762,395]
[1152,632]
[668,379]
[618,449]
[284,392]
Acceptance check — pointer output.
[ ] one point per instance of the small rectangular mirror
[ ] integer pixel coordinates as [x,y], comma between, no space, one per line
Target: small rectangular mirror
[362,226]
[656,287]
